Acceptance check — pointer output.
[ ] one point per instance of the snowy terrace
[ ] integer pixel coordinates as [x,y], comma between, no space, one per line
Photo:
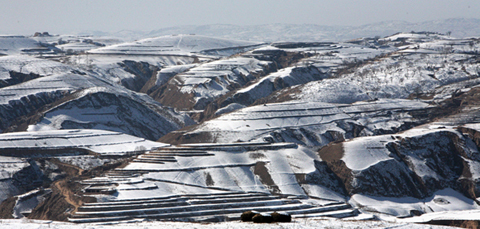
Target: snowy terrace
[98,141]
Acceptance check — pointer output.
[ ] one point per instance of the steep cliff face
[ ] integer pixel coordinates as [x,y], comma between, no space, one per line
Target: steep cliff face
[25,106]
[142,71]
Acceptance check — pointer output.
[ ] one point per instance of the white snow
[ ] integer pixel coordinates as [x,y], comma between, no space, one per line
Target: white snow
[165,73]
[27,65]
[319,107]
[444,215]
[100,141]
[441,201]
[229,108]
[13,45]
[361,153]
[174,45]
[211,80]
[249,123]
[230,170]
[297,224]
[419,69]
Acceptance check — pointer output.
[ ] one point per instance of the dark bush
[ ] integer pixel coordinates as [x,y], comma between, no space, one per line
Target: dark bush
[248,215]
[262,218]
[281,217]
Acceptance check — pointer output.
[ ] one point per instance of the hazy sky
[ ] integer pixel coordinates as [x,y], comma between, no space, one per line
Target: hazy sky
[67,16]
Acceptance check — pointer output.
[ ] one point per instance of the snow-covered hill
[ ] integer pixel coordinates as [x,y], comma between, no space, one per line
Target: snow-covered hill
[11,45]
[200,85]
[417,163]
[179,45]
[100,108]
[57,86]
[309,123]
[423,65]
[29,160]
[370,126]
[459,27]
[97,141]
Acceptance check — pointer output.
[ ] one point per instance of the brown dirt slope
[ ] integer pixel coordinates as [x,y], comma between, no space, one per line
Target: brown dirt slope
[6,208]
[67,194]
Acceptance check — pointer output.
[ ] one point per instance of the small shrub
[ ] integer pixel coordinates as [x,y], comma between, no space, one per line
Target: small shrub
[281,217]
[262,218]
[248,215]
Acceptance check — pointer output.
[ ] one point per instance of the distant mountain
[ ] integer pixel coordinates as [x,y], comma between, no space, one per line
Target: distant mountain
[459,27]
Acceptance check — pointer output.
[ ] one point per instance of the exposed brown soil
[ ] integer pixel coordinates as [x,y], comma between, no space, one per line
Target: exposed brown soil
[71,170]
[170,95]
[280,60]
[280,96]
[209,111]
[261,171]
[55,211]
[102,170]
[67,193]
[466,185]
[472,134]
[21,152]
[65,198]
[458,103]
[183,136]
[6,208]
[471,224]
[331,152]
[150,86]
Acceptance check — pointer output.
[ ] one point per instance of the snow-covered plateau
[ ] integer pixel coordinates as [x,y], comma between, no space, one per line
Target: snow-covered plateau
[379,132]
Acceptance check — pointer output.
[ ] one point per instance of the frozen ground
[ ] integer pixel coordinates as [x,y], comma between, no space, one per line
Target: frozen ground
[297,224]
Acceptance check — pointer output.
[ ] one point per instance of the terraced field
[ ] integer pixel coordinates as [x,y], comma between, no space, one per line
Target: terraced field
[309,123]
[161,196]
